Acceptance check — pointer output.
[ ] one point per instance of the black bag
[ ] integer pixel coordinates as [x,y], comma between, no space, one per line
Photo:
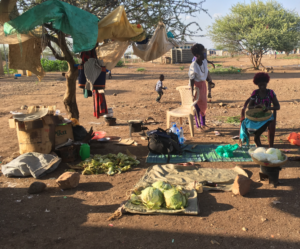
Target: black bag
[163,142]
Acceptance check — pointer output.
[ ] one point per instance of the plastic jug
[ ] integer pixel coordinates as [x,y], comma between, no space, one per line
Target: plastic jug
[181,138]
[174,128]
[28,73]
[84,151]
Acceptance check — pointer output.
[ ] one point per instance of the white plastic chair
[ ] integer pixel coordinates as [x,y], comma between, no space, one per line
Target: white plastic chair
[187,107]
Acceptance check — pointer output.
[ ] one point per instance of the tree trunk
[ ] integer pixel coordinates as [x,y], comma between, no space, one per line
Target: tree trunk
[70,94]
[71,76]
[1,65]
[255,60]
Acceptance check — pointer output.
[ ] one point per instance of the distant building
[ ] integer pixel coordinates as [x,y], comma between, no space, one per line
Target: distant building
[182,54]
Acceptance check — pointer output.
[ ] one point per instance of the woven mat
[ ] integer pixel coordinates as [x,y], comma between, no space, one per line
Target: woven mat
[201,153]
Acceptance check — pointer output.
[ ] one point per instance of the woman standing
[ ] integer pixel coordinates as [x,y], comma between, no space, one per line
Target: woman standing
[198,73]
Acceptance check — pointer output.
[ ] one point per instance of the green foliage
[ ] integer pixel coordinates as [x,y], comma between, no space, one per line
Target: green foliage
[256,28]
[141,69]
[225,70]
[120,63]
[218,65]
[54,66]
[232,120]
[181,68]
[11,71]
[290,57]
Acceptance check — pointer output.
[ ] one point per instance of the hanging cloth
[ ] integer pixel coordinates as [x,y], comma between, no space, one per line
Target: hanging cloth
[93,71]
[100,107]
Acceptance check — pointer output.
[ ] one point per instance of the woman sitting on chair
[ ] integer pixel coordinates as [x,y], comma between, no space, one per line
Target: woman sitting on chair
[262,97]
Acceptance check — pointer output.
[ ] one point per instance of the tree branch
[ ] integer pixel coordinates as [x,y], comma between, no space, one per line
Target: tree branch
[56,55]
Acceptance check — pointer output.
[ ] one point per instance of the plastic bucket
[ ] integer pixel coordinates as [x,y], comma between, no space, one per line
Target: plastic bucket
[18,75]
[84,151]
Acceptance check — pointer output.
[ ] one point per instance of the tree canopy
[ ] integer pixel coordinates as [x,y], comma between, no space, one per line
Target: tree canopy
[257,28]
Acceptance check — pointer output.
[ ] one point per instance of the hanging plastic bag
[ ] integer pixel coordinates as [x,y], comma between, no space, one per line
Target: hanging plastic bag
[226,150]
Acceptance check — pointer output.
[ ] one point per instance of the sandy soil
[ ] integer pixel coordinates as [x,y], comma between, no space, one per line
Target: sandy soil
[78,218]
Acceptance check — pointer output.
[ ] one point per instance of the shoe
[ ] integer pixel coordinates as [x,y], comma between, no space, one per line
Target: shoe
[209,95]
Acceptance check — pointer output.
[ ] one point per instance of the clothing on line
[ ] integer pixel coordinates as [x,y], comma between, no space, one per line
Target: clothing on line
[100,107]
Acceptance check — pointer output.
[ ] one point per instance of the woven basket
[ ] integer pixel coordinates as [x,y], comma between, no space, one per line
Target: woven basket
[250,112]
[267,164]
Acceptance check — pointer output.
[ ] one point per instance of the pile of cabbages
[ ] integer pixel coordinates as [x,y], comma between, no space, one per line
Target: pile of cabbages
[161,195]
[271,155]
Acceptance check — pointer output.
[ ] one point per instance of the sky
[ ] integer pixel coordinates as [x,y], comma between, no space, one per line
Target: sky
[222,7]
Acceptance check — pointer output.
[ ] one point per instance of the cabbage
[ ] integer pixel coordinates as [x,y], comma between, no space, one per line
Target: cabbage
[260,150]
[175,199]
[272,157]
[161,185]
[135,199]
[260,156]
[277,152]
[275,161]
[152,198]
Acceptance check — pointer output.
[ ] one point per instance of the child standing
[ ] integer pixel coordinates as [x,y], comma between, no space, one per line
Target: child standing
[159,87]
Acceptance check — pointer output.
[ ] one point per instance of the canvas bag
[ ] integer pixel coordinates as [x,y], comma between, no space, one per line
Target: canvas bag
[163,142]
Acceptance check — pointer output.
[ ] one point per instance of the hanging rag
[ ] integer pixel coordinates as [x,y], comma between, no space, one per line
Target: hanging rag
[100,107]
[111,53]
[115,26]
[80,24]
[156,47]
[92,71]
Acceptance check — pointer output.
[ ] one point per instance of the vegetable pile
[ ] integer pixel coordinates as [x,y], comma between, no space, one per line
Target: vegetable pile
[161,195]
[109,164]
[260,115]
[271,155]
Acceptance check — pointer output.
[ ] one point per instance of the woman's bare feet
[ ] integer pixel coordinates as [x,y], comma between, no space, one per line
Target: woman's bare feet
[205,128]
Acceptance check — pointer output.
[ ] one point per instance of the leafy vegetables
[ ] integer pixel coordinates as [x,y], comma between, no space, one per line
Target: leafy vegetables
[109,164]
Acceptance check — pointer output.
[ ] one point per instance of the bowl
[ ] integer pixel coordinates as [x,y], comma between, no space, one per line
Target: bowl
[99,135]
[250,112]
[266,163]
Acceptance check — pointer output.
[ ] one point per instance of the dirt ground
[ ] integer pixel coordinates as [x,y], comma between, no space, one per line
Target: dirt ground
[78,217]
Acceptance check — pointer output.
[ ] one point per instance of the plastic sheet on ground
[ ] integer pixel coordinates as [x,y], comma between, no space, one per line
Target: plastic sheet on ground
[111,53]
[115,26]
[80,24]
[185,177]
[157,46]
[29,58]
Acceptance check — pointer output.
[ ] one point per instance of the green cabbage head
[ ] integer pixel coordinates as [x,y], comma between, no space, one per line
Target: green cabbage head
[175,199]
[152,198]
[162,186]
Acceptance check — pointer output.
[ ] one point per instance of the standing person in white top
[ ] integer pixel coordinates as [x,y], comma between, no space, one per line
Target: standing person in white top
[198,73]
[159,87]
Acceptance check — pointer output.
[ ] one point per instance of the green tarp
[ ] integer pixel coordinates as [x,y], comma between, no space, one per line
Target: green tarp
[80,24]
